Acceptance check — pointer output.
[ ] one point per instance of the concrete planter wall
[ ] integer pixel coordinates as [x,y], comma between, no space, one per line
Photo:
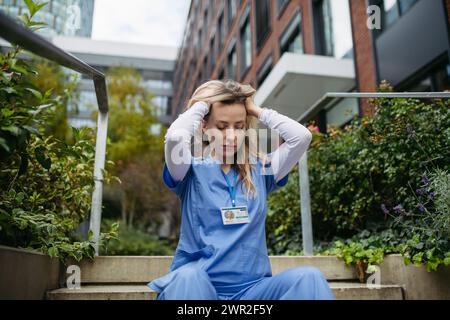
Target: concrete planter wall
[416,281]
[25,274]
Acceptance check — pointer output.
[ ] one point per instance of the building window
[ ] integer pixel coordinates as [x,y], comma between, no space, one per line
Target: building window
[263,23]
[87,103]
[191,69]
[405,5]
[212,54]
[332,28]
[199,43]
[264,70]
[162,104]
[292,40]
[436,79]
[221,75]
[199,81]
[246,43]
[324,30]
[205,69]
[342,112]
[443,78]
[220,31]
[232,9]
[211,8]
[392,10]
[232,60]
[199,8]
[205,25]
[169,103]
[281,5]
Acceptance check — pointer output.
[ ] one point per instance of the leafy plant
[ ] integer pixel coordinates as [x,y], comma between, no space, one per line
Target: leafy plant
[41,207]
[369,177]
[354,253]
[283,226]
[365,249]
[428,222]
[45,182]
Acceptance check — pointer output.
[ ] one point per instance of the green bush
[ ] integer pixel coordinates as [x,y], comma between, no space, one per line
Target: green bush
[283,228]
[427,222]
[365,176]
[373,161]
[131,241]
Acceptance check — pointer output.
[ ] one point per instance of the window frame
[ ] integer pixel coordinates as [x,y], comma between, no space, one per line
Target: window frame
[264,70]
[289,32]
[262,34]
[244,27]
[232,53]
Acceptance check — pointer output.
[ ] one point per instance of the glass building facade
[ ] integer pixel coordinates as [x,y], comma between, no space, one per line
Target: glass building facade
[63,17]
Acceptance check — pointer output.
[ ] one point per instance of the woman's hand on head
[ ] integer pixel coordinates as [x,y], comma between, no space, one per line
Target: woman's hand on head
[209,107]
[252,108]
[204,102]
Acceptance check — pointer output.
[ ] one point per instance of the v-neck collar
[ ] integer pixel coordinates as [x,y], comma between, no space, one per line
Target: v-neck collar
[229,171]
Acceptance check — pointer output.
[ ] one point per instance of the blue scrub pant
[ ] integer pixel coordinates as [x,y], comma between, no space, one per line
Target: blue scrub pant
[297,283]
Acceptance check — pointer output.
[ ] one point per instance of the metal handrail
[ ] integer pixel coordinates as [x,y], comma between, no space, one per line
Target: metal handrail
[305,198]
[18,34]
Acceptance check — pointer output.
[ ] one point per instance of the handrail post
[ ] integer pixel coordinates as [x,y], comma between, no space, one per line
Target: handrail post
[305,205]
[97,194]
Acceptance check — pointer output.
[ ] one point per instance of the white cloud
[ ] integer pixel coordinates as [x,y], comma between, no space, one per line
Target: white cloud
[156,22]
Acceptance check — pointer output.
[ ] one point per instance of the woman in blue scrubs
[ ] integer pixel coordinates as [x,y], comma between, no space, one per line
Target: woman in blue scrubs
[223,187]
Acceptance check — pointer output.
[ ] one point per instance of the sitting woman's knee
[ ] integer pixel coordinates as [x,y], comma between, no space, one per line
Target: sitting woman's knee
[308,271]
[192,273]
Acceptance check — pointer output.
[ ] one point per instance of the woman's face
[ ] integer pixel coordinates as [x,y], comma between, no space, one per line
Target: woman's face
[226,128]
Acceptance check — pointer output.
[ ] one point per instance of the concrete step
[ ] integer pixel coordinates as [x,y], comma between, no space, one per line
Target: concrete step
[360,291]
[103,292]
[342,291]
[143,269]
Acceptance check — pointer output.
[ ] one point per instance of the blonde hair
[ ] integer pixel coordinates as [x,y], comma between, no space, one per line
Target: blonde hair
[230,92]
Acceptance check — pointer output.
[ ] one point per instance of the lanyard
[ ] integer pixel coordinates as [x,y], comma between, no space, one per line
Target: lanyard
[231,189]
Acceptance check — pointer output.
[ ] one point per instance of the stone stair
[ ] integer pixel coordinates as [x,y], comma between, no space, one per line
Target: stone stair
[125,278]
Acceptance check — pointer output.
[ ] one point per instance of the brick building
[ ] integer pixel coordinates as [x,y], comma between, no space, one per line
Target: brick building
[294,51]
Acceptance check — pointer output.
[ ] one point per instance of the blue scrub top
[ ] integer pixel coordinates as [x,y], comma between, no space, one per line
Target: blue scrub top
[234,256]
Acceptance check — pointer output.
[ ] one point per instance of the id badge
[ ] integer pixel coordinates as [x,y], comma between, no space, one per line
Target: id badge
[234,215]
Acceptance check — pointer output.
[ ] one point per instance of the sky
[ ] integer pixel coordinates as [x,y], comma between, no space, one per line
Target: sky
[154,22]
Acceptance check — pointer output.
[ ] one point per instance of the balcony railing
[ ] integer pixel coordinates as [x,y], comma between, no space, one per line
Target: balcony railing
[305,199]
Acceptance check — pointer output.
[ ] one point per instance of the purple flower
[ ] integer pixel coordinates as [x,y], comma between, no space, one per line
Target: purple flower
[421,207]
[420,191]
[425,180]
[385,210]
[399,209]
[431,195]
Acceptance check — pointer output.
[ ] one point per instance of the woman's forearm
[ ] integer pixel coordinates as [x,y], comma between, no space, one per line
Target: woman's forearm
[177,142]
[297,139]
